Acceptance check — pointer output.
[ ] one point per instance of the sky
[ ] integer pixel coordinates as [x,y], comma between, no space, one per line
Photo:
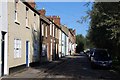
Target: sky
[69,12]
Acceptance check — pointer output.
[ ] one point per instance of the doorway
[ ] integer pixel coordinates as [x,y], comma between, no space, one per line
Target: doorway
[27,53]
[2,51]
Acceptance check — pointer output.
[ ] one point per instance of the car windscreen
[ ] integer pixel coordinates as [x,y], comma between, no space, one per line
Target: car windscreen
[101,55]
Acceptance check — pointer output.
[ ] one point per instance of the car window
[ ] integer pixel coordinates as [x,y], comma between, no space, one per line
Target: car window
[101,55]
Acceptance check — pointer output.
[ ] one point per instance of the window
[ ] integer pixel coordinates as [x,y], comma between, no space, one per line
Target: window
[17,48]
[42,29]
[16,8]
[56,32]
[53,30]
[50,28]
[46,31]
[51,46]
[26,16]
[35,23]
[35,27]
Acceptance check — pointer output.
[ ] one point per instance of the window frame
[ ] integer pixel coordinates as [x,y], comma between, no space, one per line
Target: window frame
[17,48]
[16,12]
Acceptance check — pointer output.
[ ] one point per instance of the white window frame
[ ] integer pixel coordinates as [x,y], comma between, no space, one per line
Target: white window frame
[51,47]
[46,31]
[42,29]
[50,28]
[56,32]
[17,48]
[26,17]
[53,29]
[16,6]
[35,29]
[16,12]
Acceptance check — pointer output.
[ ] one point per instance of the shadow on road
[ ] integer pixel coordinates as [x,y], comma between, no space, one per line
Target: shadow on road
[78,66]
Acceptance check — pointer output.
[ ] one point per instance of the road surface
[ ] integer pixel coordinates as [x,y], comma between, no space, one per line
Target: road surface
[77,66]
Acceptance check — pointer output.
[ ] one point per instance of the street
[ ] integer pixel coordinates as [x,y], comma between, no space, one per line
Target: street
[77,66]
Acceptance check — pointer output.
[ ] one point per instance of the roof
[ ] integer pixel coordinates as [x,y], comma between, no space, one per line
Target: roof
[27,4]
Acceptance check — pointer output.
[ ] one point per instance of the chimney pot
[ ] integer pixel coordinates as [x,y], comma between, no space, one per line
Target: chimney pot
[31,3]
[42,12]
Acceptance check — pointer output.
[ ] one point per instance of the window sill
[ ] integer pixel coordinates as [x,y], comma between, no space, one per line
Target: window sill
[27,27]
[35,30]
[17,22]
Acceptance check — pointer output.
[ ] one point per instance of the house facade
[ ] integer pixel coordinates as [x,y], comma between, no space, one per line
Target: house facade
[3,38]
[65,39]
[54,36]
[45,38]
[21,45]
[72,41]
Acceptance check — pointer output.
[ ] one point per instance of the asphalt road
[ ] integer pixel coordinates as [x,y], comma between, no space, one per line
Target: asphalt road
[77,66]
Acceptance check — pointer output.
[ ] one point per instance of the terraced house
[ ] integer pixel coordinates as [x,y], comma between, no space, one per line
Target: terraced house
[27,36]
[44,40]
[20,46]
[3,38]
[72,41]
[54,36]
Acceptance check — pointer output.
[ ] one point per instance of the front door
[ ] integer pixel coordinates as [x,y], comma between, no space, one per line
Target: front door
[2,51]
[27,53]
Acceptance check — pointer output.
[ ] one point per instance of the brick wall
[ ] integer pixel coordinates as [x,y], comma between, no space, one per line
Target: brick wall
[56,19]
[42,12]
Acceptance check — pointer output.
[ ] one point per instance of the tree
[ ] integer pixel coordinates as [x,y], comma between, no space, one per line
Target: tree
[80,43]
[104,31]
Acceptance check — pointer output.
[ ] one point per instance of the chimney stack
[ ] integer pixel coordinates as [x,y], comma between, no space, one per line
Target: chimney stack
[42,12]
[74,31]
[31,3]
[55,18]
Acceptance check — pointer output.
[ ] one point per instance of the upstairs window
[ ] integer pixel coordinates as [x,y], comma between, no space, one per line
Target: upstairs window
[16,8]
[50,28]
[46,31]
[42,29]
[53,29]
[26,17]
[56,33]
[35,29]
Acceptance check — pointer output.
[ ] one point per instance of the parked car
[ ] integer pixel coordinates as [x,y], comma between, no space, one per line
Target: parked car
[91,52]
[100,57]
[87,51]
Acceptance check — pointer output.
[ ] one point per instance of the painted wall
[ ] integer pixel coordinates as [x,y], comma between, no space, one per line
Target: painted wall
[67,45]
[23,32]
[4,28]
[63,44]
[60,43]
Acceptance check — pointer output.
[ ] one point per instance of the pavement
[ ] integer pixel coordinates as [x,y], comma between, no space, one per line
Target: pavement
[35,71]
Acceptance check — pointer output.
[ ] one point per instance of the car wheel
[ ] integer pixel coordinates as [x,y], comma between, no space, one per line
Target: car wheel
[93,66]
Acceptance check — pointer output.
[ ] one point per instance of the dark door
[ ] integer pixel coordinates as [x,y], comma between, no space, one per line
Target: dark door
[27,53]
[2,50]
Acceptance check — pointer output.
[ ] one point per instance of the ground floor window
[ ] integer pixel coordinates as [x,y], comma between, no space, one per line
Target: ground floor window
[17,48]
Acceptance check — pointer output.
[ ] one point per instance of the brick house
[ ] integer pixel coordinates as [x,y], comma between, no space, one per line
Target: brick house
[51,41]
[54,36]
[45,37]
